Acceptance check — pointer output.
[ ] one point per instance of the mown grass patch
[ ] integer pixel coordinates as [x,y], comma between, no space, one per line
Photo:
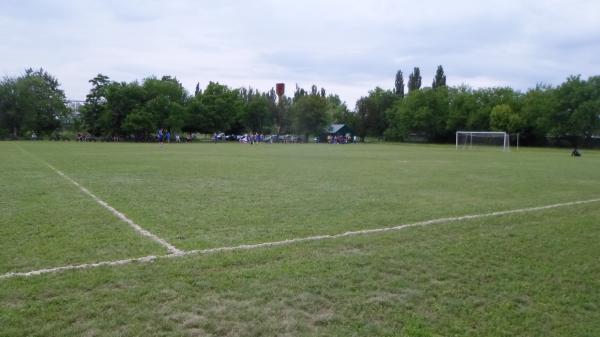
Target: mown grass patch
[209,195]
[47,222]
[528,274]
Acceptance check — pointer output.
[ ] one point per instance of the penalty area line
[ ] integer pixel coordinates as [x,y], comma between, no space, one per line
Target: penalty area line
[144,232]
[152,258]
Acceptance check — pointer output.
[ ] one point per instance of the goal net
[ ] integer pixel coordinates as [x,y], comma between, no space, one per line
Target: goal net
[469,139]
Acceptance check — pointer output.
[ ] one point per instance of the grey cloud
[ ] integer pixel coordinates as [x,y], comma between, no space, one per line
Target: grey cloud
[350,46]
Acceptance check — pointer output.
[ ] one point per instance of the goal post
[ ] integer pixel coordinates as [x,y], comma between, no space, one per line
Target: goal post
[468,139]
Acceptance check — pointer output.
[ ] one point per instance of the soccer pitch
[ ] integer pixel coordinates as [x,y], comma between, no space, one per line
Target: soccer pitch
[504,243]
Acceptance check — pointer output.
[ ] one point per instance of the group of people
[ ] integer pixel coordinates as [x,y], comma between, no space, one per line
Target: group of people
[252,138]
[164,136]
[81,137]
[338,139]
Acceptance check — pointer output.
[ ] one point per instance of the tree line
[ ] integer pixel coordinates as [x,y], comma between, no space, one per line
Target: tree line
[34,103]
[139,109]
[569,112]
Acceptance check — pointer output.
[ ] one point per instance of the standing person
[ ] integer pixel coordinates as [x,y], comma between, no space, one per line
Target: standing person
[159,136]
[177,138]
[168,136]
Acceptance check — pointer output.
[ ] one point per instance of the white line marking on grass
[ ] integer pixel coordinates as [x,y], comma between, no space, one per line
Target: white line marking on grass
[172,249]
[386,229]
[80,266]
[296,240]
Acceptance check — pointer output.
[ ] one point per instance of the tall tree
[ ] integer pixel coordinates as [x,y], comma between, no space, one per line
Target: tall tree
[299,92]
[503,118]
[32,102]
[283,115]
[197,91]
[462,104]
[539,106]
[164,100]
[414,80]
[362,110]
[399,84]
[10,119]
[255,116]
[579,103]
[121,99]
[487,99]
[440,78]
[310,115]
[314,90]
[372,112]
[49,105]
[276,119]
[95,104]
[423,112]
[216,109]
[338,111]
[140,123]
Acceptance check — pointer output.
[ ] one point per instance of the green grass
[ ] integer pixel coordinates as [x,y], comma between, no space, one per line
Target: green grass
[202,196]
[46,221]
[528,274]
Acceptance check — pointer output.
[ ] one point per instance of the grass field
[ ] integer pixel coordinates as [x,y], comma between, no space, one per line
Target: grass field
[530,274]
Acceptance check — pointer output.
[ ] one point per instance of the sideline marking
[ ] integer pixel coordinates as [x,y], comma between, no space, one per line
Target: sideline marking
[152,258]
[149,258]
[172,249]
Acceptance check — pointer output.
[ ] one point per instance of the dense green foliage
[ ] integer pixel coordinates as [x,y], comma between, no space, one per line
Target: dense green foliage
[569,112]
[309,114]
[30,104]
[414,80]
[440,79]
[136,110]
[399,84]
[371,112]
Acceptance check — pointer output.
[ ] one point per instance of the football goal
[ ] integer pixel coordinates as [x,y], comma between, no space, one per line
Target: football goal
[468,139]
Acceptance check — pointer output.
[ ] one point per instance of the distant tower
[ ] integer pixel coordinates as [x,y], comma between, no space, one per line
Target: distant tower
[280,90]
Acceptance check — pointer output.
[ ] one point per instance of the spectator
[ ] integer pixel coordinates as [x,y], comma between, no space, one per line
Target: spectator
[159,136]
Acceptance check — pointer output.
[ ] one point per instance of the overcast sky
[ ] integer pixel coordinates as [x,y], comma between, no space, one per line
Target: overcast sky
[347,46]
